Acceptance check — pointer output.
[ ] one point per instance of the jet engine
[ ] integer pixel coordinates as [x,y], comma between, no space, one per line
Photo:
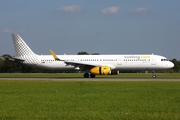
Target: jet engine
[104,70]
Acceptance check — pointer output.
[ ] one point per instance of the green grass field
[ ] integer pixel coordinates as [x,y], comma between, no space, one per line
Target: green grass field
[80,75]
[110,100]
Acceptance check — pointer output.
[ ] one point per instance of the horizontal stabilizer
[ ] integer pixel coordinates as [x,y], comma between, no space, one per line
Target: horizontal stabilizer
[16,59]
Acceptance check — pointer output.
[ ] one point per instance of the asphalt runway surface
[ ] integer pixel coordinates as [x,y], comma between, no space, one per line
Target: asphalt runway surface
[96,79]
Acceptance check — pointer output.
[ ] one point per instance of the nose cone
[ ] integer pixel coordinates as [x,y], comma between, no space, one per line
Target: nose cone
[170,65]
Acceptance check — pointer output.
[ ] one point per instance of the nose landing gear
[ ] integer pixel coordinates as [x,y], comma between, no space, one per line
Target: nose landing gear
[153,74]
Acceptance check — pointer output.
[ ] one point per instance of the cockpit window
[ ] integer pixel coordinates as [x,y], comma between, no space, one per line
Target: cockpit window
[164,60]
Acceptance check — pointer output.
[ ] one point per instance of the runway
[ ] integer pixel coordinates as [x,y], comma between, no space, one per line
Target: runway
[93,79]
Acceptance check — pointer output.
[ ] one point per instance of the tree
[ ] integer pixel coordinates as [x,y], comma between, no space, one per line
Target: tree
[95,54]
[8,66]
[176,67]
[83,53]
[2,59]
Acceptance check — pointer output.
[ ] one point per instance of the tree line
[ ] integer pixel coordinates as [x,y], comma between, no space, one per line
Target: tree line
[7,66]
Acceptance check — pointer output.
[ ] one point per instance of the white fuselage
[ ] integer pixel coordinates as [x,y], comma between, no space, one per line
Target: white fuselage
[115,62]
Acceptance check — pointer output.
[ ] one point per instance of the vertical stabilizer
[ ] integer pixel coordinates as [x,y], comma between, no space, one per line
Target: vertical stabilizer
[24,53]
[21,48]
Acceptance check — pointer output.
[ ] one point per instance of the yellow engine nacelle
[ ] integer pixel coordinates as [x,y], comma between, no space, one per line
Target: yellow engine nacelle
[104,70]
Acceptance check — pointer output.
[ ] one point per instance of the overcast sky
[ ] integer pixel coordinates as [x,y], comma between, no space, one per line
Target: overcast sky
[94,26]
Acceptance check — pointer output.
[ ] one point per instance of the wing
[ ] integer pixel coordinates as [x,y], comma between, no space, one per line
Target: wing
[81,64]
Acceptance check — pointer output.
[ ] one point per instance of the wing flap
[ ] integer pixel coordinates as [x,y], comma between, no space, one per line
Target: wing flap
[89,65]
[80,63]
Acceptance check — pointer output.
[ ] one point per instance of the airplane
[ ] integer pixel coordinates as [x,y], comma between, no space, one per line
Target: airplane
[92,65]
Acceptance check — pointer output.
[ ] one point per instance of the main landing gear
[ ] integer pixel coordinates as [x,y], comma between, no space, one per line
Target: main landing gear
[86,75]
[153,74]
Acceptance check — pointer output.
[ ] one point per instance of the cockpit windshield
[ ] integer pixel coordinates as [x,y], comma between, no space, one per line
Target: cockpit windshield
[164,60]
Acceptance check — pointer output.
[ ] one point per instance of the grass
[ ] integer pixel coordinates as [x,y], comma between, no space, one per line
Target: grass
[151,100]
[80,75]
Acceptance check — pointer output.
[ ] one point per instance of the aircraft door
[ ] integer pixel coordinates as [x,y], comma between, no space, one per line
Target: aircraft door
[153,60]
[77,59]
[119,62]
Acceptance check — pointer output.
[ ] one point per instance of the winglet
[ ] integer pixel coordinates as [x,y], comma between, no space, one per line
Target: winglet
[54,56]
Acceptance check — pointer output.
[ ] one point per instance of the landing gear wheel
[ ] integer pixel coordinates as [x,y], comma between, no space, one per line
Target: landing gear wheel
[92,75]
[86,75]
[153,74]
